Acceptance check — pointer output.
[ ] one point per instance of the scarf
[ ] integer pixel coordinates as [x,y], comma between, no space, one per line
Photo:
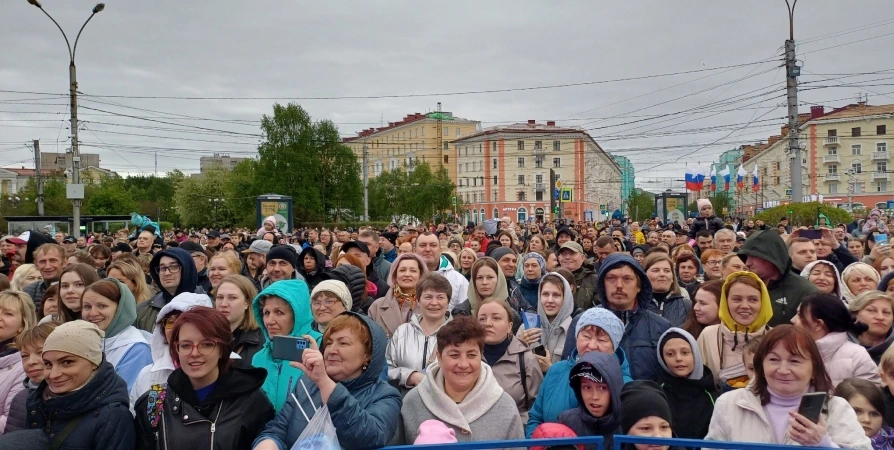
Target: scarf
[402,298]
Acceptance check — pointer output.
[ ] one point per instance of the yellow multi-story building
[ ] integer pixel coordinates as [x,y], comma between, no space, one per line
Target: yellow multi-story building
[505,171]
[415,139]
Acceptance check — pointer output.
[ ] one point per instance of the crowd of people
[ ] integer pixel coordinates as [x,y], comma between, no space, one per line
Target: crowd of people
[151,339]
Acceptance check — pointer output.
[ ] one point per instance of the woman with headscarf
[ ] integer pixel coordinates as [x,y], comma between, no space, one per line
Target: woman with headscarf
[487,281]
[400,303]
[824,275]
[745,310]
[856,279]
[555,309]
[525,296]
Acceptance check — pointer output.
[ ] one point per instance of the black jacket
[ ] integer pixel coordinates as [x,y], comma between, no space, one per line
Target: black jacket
[313,277]
[147,311]
[106,423]
[674,308]
[579,418]
[246,344]
[841,257]
[712,224]
[585,292]
[691,403]
[354,279]
[203,280]
[231,417]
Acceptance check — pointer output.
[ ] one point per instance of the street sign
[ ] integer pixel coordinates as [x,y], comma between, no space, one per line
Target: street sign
[556,209]
[602,207]
[559,184]
[454,201]
[567,195]
[788,192]
[556,194]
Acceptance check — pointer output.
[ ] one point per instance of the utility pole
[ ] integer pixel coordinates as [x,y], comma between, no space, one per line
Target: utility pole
[365,182]
[792,71]
[851,187]
[440,139]
[39,173]
[552,198]
[155,174]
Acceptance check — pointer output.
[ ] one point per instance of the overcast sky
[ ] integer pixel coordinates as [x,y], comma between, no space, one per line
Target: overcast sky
[287,49]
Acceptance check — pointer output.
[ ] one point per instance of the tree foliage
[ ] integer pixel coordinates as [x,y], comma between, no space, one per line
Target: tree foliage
[719,200]
[200,201]
[804,214]
[417,192]
[640,205]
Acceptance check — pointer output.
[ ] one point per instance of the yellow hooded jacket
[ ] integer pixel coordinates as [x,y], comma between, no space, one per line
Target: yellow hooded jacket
[763,316]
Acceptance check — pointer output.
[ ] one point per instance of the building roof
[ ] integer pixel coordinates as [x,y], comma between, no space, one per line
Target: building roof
[409,118]
[531,127]
[23,172]
[856,111]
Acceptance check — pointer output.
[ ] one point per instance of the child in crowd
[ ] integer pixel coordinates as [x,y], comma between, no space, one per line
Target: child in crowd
[646,413]
[687,383]
[596,380]
[748,356]
[552,430]
[886,370]
[434,432]
[868,402]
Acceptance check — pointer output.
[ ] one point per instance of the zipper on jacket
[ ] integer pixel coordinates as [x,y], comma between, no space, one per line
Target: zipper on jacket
[214,424]
[425,353]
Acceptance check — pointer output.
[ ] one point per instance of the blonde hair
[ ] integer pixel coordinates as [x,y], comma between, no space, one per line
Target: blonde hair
[22,273]
[887,360]
[862,269]
[17,299]
[248,289]
[656,258]
[234,265]
[135,275]
[863,300]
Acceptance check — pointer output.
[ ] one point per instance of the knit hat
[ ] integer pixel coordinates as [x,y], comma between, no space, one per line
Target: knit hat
[641,399]
[457,241]
[642,248]
[434,432]
[501,252]
[392,237]
[283,252]
[698,366]
[605,319]
[336,287]
[702,202]
[79,338]
[536,257]
[875,212]
[551,430]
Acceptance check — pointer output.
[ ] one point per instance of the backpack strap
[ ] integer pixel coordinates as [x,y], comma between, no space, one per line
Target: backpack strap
[60,438]
[524,378]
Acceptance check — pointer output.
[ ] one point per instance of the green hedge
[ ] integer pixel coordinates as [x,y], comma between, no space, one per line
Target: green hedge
[804,214]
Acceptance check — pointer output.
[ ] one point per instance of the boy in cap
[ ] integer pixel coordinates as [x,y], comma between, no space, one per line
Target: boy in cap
[645,413]
[597,382]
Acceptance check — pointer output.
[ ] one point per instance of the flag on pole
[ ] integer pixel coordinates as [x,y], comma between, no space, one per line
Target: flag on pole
[725,174]
[700,177]
[755,182]
[691,179]
[713,179]
[740,178]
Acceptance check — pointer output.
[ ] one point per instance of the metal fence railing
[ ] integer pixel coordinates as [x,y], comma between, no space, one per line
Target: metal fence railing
[618,444]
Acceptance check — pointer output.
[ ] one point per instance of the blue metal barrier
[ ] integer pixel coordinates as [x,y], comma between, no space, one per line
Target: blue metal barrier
[620,440]
[522,443]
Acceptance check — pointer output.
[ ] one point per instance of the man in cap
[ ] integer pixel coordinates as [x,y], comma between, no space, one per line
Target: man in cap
[12,249]
[212,242]
[564,235]
[362,252]
[388,242]
[70,244]
[281,265]
[120,249]
[256,259]
[571,257]
[200,259]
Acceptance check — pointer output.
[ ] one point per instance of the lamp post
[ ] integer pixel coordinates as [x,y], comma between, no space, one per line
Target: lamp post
[75,190]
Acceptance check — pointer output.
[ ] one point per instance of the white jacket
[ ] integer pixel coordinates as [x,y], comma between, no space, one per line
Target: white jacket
[844,359]
[458,282]
[409,350]
[739,417]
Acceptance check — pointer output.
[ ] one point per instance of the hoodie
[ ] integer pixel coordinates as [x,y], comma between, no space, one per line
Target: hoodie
[691,399]
[365,411]
[837,290]
[124,345]
[787,291]
[163,365]
[282,377]
[189,279]
[317,275]
[580,419]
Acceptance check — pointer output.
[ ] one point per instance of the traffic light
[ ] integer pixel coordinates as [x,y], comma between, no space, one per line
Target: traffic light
[556,209]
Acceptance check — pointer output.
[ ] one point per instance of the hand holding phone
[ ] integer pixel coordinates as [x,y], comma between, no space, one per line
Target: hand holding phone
[881,239]
[289,347]
[812,405]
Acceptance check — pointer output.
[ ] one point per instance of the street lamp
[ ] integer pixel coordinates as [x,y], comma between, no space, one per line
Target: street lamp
[75,190]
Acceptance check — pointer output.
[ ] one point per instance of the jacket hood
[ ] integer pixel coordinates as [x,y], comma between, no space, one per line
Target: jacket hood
[698,367]
[373,372]
[839,286]
[104,389]
[501,292]
[189,277]
[548,328]
[614,261]
[35,239]
[763,316]
[767,245]
[354,279]
[319,257]
[125,314]
[886,281]
[181,303]
[607,365]
[296,294]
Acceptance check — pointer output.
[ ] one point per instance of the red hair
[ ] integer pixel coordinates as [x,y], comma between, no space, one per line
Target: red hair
[213,325]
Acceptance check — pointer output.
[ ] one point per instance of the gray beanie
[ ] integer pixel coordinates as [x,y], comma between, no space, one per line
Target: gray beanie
[500,252]
[605,319]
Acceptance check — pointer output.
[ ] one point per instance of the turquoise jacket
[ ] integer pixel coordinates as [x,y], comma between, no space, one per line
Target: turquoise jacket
[556,395]
[281,377]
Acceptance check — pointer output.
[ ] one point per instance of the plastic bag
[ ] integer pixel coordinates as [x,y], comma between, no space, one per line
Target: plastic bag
[319,434]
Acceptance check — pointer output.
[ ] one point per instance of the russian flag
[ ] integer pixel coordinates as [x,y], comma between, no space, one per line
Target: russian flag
[725,174]
[691,178]
[740,178]
[700,177]
[713,178]
[755,183]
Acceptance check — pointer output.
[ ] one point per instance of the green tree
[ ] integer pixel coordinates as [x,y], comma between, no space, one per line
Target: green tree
[640,205]
[108,197]
[418,192]
[200,201]
[804,214]
[719,200]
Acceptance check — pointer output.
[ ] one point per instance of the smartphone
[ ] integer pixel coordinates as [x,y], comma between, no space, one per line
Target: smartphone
[540,350]
[812,234]
[812,405]
[881,239]
[289,347]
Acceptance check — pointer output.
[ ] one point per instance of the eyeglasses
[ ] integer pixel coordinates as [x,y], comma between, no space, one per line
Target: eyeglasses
[205,347]
[173,268]
[327,302]
[713,263]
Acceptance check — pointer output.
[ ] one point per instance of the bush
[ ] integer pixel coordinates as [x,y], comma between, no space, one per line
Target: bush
[804,214]
[166,226]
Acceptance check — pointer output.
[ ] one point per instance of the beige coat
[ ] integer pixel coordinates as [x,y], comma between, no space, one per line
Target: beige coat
[387,313]
[508,374]
[739,417]
[716,344]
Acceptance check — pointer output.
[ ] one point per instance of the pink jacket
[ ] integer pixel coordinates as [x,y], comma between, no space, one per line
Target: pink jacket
[11,376]
[845,359]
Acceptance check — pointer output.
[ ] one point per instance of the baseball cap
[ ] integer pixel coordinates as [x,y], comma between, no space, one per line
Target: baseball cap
[69,240]
[225,236]
[14,240]
[588,371]
[258,246]
[571,245]
[122,247]
[355,244]
[213,234]
[191,247]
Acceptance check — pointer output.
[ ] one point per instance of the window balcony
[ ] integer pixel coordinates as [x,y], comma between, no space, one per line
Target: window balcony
[881,156]
[830,159]
[832,178]
[830,140]
[881,176]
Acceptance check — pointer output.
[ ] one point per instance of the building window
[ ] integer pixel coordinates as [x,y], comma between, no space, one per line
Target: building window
[423,131]
[521,179]
[557,146]
[538,145]
[482,215]
[881,147]
[833,150]
[457,131]
[459,168]
[495,146]
[538,196]
[833,169]
[446,146]
[880,130]
[522,215]
[496,214]
[538,178]
[446,131]
[521,163]
[496,195]
[833,188]
[538,163]
[856,150]
[557,162]
[855,132]
[881,167]
[776,180]
[521,196]
[495,180]
[882,186]
[521,145]
[495,163]
[857,167]
[776,165]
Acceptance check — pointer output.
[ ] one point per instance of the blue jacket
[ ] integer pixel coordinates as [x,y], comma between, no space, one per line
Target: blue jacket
[281,377]
[556,396]
[365,411]
[642,328]
[102,403]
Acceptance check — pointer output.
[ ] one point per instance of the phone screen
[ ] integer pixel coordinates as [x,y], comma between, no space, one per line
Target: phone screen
[540,350]
[812,234]
[812,405]
[881,239]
